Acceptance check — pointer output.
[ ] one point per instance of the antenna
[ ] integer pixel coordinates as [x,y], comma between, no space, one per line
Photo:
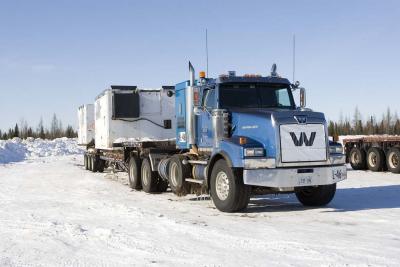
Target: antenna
[294,57]
[206,54]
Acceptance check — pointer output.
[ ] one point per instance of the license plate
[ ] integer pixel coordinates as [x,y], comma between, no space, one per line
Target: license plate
[338,174]
[304,180]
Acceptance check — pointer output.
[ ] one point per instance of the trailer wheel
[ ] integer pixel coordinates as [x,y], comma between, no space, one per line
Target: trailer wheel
[178,172]
[85,160]
[315,195]
[89,162]
[358,159]
[93,164]
[228,191]
[100,164]
[376,159]
[134,173]
[149,178]
[393,160]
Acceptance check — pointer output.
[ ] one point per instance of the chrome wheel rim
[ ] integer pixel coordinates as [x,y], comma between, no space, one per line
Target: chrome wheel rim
[174,174]
[372,158]
[145,175]
[222,185]
[393,160]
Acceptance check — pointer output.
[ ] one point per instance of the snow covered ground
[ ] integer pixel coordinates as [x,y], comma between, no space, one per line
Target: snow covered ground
[54,213]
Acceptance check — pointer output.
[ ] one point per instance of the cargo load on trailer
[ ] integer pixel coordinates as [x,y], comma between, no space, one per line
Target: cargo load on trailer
[230,137]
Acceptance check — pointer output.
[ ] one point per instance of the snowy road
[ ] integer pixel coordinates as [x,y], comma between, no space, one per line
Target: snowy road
[54,213]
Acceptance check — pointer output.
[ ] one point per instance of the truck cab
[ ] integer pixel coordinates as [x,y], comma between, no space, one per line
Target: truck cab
[245,134]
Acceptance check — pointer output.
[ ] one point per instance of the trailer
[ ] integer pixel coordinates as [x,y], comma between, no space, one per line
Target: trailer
[373,152]
[230,137]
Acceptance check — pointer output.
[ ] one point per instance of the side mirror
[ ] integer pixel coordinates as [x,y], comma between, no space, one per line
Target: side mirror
[197,110]
[302,97]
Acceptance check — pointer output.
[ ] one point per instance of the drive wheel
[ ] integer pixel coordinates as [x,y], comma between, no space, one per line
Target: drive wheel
[315,195]
[375,159]
[228,191]
[149,178]
[357,159]
[393,160]
[178,172]
[134,173]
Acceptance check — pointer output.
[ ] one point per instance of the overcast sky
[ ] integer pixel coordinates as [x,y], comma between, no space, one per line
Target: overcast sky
[57,55]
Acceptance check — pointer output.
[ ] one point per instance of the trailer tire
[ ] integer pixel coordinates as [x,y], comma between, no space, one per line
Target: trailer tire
[357,159]
[228,191]
[149,178]
[393,160]
[85,160]
[134,173]
[93,164]
[178,172]
[315,195]
[376,159]
[101,163]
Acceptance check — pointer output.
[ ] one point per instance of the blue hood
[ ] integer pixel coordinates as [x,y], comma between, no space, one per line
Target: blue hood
[261,126]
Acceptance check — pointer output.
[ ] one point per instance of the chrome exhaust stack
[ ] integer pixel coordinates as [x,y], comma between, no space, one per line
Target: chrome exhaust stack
[190,119]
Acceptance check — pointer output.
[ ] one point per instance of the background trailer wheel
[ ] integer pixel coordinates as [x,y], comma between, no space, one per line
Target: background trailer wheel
[85,160]
[93,164]
[376,159]
[315,195]
[393,160]
[134,173]
[357,159]
[228,192]
[149,178]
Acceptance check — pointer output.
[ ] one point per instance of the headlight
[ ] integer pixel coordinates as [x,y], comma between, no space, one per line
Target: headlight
[336,149]
[254,152]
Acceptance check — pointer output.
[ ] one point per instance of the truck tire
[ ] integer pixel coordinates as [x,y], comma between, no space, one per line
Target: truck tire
[315,195]
[178,172]
[100,164]
[357,159]
[228,191]
[93,164]
[376,159]
[134,173]
[393,160]
[85,160]
[89,162]
[149,178]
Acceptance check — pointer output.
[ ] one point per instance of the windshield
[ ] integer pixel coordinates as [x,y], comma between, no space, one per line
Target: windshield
[255,96]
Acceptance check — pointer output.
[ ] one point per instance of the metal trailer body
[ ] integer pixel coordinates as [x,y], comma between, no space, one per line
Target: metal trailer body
[373,152]
[86,122]
[126,112]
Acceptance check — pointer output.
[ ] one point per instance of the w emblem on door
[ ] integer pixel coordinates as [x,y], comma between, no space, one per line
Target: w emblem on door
[303,139]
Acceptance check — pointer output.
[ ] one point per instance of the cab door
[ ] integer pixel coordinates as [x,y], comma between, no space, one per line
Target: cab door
[205,138]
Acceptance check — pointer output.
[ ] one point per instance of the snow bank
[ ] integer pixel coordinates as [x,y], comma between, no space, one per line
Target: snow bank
[16,149]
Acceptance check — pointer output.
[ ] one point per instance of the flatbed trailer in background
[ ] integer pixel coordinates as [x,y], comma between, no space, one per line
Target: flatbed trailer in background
[373,152]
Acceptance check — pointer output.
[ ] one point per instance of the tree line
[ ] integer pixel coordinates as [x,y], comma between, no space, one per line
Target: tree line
[389,123]
[23,130]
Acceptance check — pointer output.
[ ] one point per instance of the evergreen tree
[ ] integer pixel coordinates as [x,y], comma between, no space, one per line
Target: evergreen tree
[16,131]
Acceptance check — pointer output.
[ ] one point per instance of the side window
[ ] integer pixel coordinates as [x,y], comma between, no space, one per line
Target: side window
[209,98]
[283,97]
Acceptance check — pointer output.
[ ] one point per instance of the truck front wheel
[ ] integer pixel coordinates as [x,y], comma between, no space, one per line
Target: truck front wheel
[228,192]
[315,195]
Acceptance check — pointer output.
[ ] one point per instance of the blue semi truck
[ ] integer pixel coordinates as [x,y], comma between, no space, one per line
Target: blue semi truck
[236,136]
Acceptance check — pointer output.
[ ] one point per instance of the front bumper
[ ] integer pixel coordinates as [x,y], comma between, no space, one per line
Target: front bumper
[294,177]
